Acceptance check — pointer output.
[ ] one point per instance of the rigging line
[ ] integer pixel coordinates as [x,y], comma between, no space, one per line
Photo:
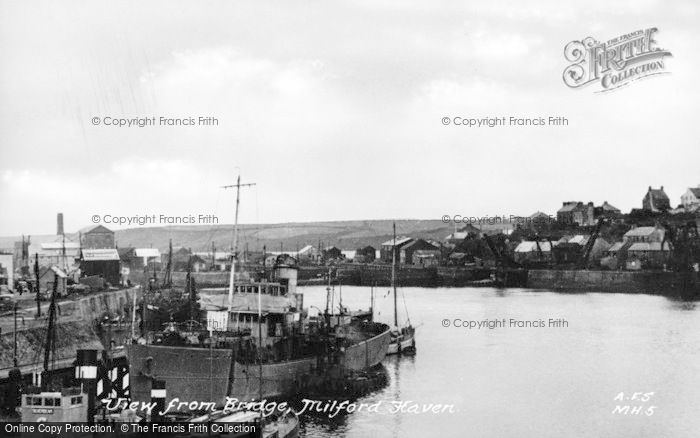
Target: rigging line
[403,297]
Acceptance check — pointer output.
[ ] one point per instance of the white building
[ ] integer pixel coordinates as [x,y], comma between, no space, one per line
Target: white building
[691,198]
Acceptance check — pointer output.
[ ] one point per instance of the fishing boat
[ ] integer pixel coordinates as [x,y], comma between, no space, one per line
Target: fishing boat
[48,399]
[256,342]
[403,339]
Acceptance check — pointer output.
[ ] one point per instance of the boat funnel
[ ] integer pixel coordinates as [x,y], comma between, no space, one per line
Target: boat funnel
[287,275]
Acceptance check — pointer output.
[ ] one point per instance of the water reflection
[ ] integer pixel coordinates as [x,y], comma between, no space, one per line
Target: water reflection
[530,382]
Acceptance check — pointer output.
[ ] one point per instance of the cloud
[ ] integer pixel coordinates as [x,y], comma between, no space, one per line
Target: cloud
[333,119]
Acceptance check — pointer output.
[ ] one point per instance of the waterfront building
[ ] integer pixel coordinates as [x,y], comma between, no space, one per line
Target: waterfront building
[570,249]
[641,248]
[426,258]
[406,252]
[308,254]
[272,259]
[457,259]
[648,255]
[103,263]
[393,246]
[365,254]
[332,253]
[616,256]
[645,234]
[533,251]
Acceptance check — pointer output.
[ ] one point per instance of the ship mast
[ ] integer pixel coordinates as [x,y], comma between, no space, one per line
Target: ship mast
[260,367]
[50,344]
[393,276]
[232,278]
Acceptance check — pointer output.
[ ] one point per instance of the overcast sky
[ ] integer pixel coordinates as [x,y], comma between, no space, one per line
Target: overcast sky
[333,109]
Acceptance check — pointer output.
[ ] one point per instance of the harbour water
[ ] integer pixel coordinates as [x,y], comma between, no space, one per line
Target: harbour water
[568,381]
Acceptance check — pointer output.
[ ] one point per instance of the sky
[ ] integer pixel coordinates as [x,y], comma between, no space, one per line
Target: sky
[333,109]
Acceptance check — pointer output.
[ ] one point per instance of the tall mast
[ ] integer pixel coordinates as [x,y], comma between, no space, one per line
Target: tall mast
[14,357]
[235,247]
[393,275]
[232,277]
[328,292]
[36,285]
[260,349]
[63,252]
[168,276]
[50,344]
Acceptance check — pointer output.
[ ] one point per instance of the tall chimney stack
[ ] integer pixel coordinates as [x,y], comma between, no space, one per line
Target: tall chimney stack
[59,224]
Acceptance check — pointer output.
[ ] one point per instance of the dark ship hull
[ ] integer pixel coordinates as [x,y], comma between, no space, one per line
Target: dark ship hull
[204,375]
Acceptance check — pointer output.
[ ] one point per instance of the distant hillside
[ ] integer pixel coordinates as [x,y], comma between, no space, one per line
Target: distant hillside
[289,236]
[346,235]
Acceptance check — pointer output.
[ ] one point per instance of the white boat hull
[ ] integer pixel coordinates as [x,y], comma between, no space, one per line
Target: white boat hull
[399,344]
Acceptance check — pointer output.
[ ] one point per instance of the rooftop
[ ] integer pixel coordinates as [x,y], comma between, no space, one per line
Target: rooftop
[649,246]
[93,228]
[640,231]
[530,246]
[93,255]
[147,252]
[399,241]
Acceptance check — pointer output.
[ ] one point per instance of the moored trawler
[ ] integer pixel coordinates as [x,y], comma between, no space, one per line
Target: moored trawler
[262,345]
[269,347]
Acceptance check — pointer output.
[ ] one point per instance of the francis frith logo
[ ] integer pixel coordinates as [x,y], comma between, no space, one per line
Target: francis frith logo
[616,62]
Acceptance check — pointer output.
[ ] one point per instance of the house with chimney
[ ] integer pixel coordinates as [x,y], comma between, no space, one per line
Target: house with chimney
[656,200]
[576,212]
